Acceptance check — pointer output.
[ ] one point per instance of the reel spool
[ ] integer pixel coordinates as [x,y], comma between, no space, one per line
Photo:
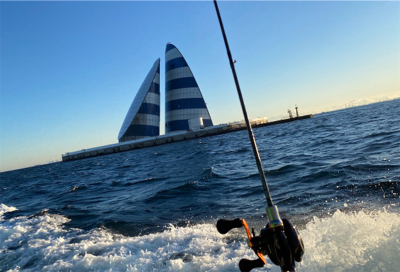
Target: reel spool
[282,244]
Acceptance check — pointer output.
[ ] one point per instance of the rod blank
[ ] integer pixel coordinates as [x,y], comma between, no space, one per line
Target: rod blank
[246,118]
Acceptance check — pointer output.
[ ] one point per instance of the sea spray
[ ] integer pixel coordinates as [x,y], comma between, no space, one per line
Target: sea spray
[5,209]
[351,241]
[42,243]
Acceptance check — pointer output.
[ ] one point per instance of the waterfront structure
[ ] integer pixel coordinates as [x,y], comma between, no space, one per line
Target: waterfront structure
[174,137]
[143,117]
[184,102]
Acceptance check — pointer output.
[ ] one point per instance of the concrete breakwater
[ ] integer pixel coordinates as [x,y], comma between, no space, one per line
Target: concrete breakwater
[171,138]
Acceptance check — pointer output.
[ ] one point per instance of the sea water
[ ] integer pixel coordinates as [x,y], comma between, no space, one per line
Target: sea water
[335,176]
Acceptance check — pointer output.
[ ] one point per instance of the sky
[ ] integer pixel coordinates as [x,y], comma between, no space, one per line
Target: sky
[70,70]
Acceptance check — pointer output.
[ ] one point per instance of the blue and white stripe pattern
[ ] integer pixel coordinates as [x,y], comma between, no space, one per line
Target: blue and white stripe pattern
[183,99]
[143,118]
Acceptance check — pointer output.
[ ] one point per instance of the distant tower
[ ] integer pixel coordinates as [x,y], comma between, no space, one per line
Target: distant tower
[290,113]
[143,117]
[183,99]
[297,111]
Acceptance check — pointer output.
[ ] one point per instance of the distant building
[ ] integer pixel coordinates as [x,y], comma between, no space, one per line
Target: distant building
[184,102]
[143,117]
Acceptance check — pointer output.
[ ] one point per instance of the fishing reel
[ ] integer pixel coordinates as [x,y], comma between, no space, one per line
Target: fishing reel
[278,240]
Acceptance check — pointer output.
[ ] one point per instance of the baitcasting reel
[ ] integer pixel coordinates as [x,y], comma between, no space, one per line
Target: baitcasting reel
[282,243]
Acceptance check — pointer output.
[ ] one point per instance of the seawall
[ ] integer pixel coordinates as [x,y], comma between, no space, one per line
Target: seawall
[170,138]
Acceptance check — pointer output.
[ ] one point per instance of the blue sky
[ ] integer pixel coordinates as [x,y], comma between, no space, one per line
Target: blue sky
[70,70]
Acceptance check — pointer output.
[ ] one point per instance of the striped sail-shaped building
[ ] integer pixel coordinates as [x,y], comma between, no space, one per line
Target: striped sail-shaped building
[143,117]
[183,99]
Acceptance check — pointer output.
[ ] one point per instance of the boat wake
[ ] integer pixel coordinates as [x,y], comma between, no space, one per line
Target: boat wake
[342,241]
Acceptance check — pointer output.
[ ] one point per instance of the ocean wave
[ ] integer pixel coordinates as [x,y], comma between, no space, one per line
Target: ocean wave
[172,192]
[380,134]
[359,241]
[76,188]
[5,209]
[142,181]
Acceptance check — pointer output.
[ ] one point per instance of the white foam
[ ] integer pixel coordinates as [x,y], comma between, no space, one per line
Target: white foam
[342,242]
[358,241]
[5,209]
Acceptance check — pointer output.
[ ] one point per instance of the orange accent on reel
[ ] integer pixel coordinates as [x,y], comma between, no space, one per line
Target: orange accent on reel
[259,254]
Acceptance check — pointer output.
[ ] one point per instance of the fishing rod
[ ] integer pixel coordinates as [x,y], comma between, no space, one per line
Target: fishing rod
[279,240]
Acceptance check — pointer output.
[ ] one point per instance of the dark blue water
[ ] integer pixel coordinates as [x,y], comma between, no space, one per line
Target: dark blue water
[335,176]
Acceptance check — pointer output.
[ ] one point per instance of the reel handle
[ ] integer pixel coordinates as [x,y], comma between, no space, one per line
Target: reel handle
[246,265]
[224,226]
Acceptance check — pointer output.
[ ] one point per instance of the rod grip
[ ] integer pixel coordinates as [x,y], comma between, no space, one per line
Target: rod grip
[223,225]
[246,265]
